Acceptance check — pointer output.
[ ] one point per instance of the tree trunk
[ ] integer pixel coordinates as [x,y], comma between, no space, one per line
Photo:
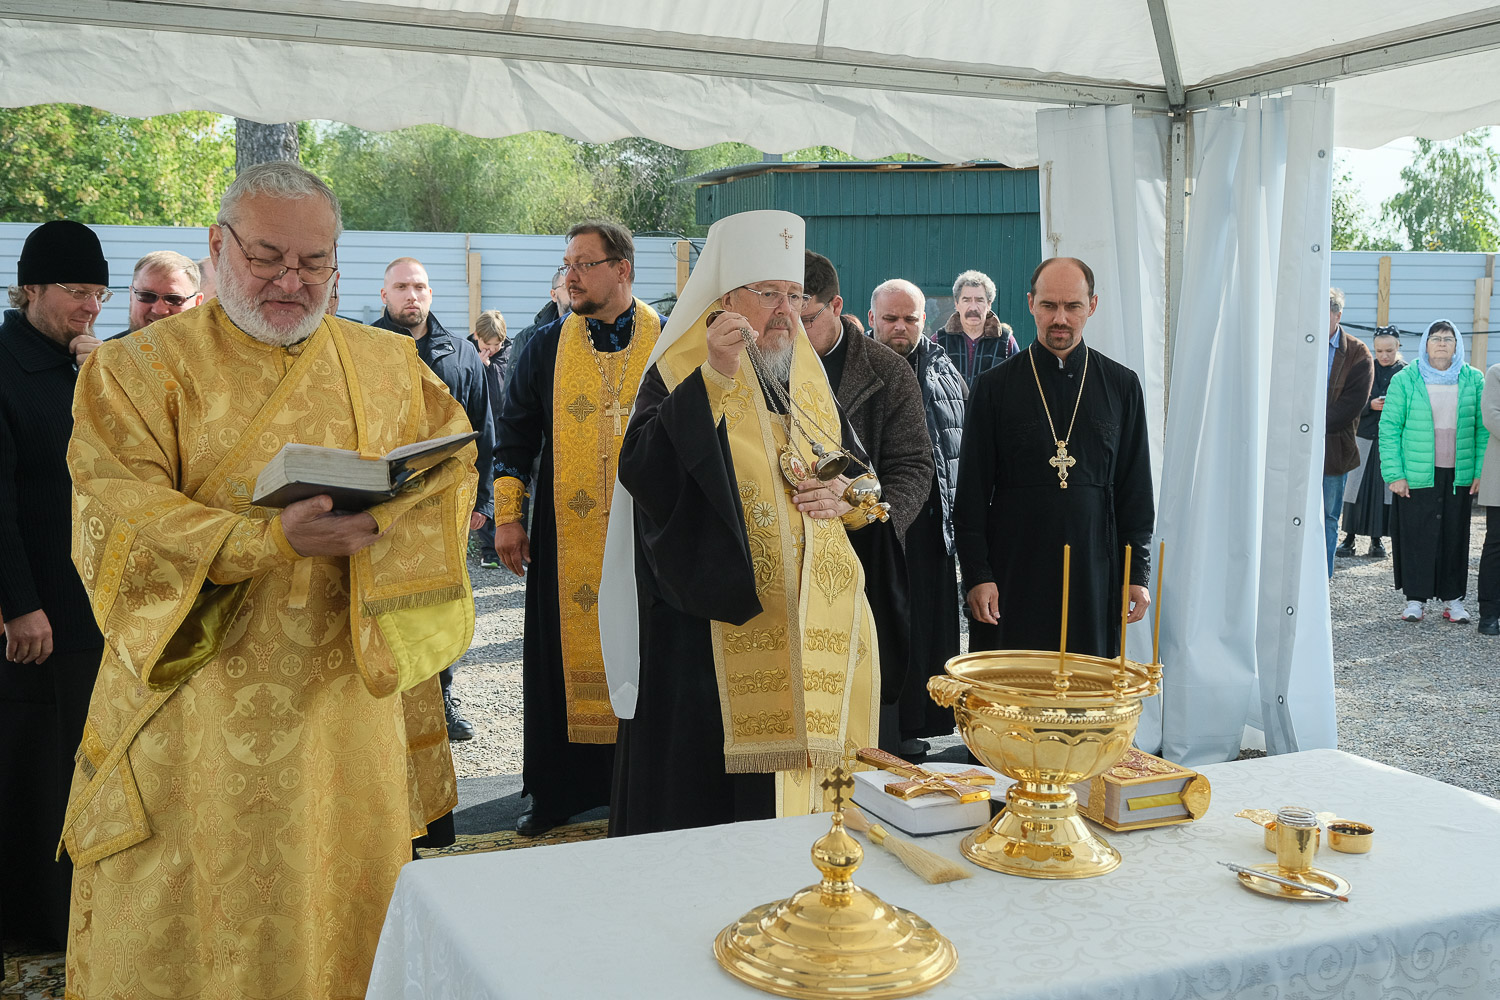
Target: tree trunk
[256,143]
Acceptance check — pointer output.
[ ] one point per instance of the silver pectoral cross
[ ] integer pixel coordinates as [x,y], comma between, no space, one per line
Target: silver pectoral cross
[1062,462]
[617,411]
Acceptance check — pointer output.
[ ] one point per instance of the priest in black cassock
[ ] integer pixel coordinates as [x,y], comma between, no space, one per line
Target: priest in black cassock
[1054,452]
[742,657]
[567,402]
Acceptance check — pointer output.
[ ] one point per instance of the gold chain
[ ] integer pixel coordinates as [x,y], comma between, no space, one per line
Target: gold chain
[1061,442]
[624,360]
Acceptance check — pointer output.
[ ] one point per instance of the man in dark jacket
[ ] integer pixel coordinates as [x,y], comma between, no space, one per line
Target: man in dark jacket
[897,314]
[52,644]
[1351,370]
[880,398]
[557,307]
[974,337]
[408,310]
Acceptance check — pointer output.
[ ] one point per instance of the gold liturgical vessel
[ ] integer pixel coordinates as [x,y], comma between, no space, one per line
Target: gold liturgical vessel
[834,939]
[1048,720]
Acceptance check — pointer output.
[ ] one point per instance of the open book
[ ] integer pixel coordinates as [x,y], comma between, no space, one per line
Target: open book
[299,471]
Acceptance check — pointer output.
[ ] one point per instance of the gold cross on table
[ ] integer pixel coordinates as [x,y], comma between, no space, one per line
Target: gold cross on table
[786,237]
[837,782]
[617,411]
[1062,461]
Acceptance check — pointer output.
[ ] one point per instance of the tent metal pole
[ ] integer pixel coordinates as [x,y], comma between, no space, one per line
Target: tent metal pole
[1176,218]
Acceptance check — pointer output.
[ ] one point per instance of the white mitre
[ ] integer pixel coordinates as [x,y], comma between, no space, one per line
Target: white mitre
[740,249]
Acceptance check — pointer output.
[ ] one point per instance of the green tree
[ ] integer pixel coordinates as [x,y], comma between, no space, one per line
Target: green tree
[1447,203]
[1353,229]
[67,161]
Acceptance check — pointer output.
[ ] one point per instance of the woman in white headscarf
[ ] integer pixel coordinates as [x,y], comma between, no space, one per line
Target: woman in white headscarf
[1432,444]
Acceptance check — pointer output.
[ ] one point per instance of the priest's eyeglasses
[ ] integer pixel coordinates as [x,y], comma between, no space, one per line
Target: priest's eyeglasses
[79,294]
[769,299]
[584,266]
[272,270]
[149,298]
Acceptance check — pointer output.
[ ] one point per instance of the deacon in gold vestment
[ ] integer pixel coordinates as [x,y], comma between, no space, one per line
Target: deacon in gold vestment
[567,404]
[758,666]
[266,735]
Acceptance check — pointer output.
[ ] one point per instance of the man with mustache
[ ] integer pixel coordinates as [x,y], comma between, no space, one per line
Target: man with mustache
[974,337]
[756,666]
[407,296]
[265,735]
[1055,444]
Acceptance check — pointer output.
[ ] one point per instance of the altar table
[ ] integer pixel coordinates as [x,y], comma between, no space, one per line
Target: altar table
[636,917]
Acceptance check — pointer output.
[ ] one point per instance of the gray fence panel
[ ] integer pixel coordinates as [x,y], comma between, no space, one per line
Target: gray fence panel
[1424,287]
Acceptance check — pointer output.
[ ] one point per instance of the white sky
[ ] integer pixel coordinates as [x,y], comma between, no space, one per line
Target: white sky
[1377,172]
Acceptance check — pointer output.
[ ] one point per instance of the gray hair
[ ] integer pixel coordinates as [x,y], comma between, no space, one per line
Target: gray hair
[1335,300]
[18,296]
[899,285]
[278,179]
[170,262]
[979,280]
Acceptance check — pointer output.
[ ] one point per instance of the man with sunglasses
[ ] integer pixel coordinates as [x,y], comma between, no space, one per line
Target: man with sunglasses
[51,643]
[164,284]
[266,733]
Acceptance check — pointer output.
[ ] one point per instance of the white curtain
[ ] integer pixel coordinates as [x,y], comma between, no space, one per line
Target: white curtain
[1245,629]
[1238,458]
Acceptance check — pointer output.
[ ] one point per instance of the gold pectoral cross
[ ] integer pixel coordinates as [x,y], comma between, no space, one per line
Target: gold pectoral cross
[617,411]
[1062,462]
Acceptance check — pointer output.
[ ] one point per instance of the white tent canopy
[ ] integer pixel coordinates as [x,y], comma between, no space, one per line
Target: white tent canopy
[1125,106]
[953,81]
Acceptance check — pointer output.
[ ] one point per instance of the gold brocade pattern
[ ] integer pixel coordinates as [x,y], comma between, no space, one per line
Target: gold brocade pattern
[586,450]
[237,830]
[510,500]
[807,578]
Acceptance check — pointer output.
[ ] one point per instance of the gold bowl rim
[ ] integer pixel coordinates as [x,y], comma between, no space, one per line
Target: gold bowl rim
[972,669]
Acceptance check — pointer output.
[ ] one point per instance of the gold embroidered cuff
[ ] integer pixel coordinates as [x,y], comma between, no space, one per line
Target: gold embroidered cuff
[509,494]
[718,385]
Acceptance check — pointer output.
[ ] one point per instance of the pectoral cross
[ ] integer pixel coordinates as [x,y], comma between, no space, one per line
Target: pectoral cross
[1062,461]
[837,782]
[617,411]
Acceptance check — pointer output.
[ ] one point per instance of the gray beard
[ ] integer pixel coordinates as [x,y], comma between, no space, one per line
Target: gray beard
[779,364]
[240,308]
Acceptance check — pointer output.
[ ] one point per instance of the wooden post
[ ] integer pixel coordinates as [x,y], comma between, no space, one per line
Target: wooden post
[1484,287]
[684,248]
[475,308]
[1383,294]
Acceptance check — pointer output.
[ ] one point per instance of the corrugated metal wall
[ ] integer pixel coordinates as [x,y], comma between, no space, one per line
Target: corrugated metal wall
[1424,287]
[515,271]
[923,225]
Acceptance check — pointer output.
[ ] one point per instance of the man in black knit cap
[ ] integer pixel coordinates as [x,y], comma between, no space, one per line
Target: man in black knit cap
[52,645]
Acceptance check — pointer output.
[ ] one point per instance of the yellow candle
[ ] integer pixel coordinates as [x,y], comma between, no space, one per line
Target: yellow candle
[1161,557]
[1124,606]
[1062,646]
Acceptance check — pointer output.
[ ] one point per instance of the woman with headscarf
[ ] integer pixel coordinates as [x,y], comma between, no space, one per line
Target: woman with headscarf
[1367,502]
[1432,444]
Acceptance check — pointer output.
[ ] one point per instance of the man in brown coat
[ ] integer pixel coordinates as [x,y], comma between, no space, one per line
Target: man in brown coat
[1351,370]
[878,392]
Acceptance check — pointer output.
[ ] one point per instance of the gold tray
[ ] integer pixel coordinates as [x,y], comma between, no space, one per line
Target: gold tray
[1315,876]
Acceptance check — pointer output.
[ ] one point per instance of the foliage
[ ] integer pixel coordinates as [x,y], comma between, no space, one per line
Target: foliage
[67,161]
[1353,229]
[1448,203]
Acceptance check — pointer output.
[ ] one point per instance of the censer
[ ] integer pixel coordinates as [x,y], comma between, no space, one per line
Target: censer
[1048,720]
[835,939]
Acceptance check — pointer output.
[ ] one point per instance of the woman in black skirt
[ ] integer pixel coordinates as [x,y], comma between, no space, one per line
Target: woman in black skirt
[1367,502]
[1432,444]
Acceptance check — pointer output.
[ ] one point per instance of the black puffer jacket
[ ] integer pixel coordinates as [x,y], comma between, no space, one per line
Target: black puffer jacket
[944,396]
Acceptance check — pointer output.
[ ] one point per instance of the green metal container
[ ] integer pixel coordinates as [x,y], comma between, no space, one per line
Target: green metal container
[926,222]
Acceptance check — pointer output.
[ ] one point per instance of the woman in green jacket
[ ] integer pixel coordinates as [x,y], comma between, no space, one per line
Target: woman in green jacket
[1432,444]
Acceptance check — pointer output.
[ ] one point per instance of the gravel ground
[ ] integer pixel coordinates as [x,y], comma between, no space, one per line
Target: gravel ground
[1424,697]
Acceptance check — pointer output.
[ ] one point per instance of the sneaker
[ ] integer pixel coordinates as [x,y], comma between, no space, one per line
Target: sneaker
[1377,550]
[1347,549]
[1413,612]
[489,562]
[1455,612]
[459,728]
[1489,626]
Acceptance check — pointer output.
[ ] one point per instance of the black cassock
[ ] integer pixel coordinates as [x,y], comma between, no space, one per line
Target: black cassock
[566,778]
[1011,520]
[692,565]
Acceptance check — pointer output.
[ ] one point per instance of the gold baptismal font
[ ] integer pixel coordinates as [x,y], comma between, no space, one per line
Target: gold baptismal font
[1048,720]
[834,939]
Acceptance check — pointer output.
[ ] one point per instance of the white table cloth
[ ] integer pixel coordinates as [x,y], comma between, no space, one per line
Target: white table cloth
[636,917]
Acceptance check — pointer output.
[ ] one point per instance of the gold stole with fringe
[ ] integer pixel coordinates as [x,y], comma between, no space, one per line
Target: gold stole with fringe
[588,426]
[799,685]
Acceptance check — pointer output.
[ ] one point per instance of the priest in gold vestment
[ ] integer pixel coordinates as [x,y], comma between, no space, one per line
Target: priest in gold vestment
[266,735]
[729,567]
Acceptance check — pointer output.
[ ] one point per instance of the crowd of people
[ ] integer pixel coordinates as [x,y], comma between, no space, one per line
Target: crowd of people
[237,719]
